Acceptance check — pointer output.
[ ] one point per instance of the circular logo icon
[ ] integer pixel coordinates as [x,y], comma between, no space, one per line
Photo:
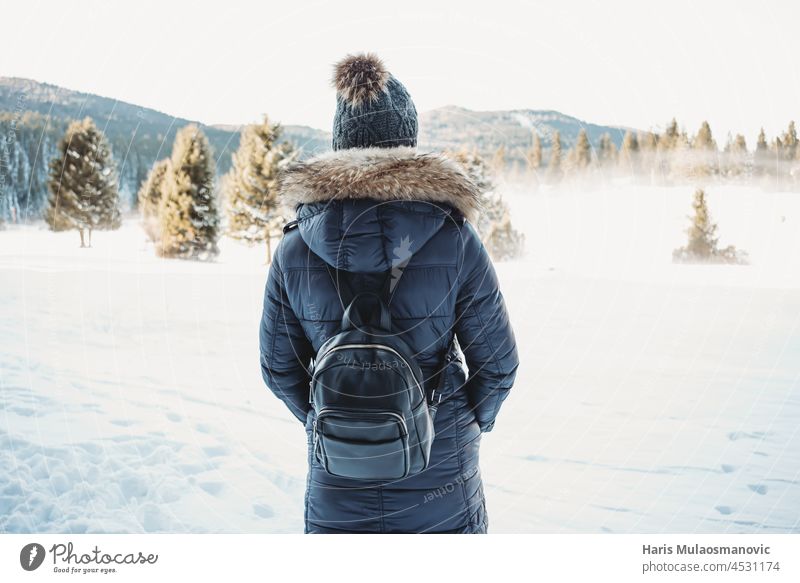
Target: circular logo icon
[31,556]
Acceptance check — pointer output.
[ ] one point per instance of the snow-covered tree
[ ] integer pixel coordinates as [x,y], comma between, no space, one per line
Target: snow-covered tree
[761,157]
[251,187]
[189,219]
[583,151]
[554,169]
[736,155]
[499,161]
[704,140]
[150,195]
[705,152]
[606,151]
[83,183]
[629,153]
[533,156]
[790,142]
[499,237]
[702,244]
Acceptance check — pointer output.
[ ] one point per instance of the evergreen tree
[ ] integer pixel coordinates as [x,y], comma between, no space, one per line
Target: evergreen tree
[534,154]
[583,151]
[790,142]
[554,169]
[189,218]
[705,148]
[251,186]
[499,161]
[648,141]
[629,153]
[150,195]
[761,156]
[702,244]
[83,183]
[737,155]
[476,168]
[648,144]
[704,140]
[761,142]
[501,240]
[670,137]
[499,237]
[702,231]
[606,151]
[776,157]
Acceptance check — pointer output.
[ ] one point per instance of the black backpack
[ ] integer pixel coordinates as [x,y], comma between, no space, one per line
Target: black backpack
[374,420]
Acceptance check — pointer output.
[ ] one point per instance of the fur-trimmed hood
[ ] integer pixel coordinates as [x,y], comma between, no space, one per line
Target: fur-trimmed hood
[367,210]
[382,174]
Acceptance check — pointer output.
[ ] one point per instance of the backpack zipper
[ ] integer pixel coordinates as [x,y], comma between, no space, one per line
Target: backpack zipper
[396,416]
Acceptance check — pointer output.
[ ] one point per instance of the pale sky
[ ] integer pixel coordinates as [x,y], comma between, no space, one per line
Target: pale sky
[630,63]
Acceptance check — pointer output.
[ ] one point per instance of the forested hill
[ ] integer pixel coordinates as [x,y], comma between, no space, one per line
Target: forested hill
[33,117]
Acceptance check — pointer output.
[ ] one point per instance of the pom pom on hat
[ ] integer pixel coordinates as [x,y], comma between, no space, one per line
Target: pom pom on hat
[360,78]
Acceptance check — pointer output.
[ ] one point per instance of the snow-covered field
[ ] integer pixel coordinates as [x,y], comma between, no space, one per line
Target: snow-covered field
[652,397]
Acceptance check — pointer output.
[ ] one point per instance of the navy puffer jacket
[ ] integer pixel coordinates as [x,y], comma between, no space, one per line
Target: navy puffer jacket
[366,212]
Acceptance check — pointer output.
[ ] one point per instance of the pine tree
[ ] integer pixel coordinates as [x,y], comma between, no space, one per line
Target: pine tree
[739,144]
[583,151]
[648,141]
[533,156]
[606,151]
[705,151]
[629,153]
[648,144]
[702,232]
[150,195]
[704,140]
[736,148]
[670,137]
[501,240]
[499,161]
[499,237]
[251,186]
[83,183]
[702,244]
[189,216]
[776,157]
[554,169]
[761,156]
[790,142]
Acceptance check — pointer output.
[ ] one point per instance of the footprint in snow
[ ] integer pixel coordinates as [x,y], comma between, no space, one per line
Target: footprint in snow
[215,450]
[174,417]
[263,510]
[758,488]
[727,468]
[724,510]
[213,488]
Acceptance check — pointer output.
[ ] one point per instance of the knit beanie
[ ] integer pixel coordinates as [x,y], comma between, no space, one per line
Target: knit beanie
[373,109]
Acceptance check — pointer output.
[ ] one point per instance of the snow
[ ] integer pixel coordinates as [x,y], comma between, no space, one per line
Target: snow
[652,397]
